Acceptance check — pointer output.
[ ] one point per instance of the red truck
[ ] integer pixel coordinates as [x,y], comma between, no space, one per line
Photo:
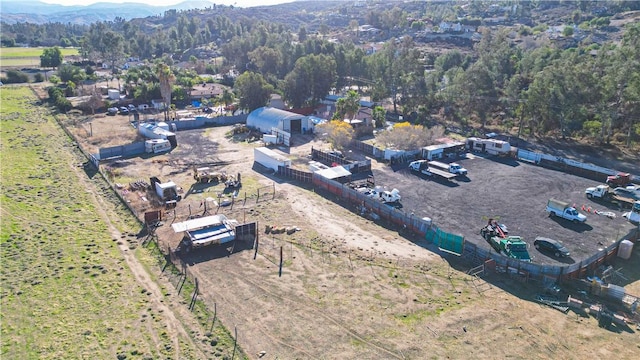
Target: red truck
[619,179]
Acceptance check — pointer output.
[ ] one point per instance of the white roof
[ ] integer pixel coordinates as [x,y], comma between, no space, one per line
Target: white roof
[272,154]
[334,172]
[442,146]
[198,223]
[167,185]
[265,118]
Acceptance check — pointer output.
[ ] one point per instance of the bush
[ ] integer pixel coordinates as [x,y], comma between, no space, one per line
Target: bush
[38,77]
[63,104]
[592,128]
[15,77]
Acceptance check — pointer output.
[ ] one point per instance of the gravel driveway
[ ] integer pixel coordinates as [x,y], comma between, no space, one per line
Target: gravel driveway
[515,193]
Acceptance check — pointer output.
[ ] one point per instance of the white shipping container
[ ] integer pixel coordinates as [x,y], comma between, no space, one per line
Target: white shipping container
[113,94]
[269,158]
[269,139]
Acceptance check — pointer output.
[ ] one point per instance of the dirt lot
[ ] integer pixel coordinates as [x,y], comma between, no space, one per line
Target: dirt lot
[352,289]
[514,193]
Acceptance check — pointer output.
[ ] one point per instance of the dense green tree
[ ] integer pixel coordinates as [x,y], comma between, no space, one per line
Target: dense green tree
[310,80]
[51,57]
[347,107]
[252,90]
[72,73]
[379,116]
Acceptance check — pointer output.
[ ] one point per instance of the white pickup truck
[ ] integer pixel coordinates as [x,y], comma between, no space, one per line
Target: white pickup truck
[379,193]
[565,211]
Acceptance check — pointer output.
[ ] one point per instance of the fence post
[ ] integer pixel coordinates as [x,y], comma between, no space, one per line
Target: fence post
[280,272]
[235,342]
[215,313]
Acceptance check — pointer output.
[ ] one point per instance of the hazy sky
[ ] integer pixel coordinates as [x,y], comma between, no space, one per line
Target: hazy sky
[240,3]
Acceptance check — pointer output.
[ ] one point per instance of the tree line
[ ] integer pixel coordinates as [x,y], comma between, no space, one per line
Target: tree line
[588,89]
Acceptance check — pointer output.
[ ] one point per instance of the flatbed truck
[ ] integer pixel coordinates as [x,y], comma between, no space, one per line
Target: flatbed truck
[422,167]
[453,168]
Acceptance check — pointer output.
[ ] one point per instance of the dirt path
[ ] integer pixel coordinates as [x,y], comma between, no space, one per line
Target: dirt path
[170,314]
[350,229]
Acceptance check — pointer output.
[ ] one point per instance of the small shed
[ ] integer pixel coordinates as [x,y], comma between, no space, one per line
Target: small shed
[443,151]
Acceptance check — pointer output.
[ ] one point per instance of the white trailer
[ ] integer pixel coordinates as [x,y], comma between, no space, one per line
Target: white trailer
[489,146]
[270,159]
[155,146]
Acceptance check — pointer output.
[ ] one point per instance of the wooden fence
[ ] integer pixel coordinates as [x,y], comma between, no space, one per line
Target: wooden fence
[298,175]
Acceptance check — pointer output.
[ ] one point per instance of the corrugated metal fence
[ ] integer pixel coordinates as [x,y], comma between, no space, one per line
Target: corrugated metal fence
[202,121]
[294,174]
[569,166]
[471,252]
[127,150]
[368,149]
[367,205]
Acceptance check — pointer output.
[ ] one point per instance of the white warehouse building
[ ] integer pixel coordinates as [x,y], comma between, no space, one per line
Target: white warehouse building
[265,118]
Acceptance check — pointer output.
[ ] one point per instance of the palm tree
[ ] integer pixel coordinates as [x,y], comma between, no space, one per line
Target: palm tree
[226,98]
[166,78]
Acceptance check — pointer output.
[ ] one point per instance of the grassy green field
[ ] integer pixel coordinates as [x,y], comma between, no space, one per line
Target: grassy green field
[20,52]
[19,56]
[66,291]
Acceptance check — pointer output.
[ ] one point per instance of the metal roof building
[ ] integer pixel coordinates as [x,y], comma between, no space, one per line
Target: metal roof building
[265,118]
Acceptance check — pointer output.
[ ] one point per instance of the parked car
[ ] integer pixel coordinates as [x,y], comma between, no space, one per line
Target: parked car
[554,247]
[132,108]
[124,111]
[336,153]
[627,193]
[112,111]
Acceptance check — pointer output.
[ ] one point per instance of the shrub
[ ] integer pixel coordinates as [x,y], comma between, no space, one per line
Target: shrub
[15,77]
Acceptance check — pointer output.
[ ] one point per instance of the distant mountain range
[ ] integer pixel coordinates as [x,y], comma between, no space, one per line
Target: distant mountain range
[38,12]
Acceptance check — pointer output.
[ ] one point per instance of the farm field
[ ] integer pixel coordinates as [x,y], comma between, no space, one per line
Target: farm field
[27,57]
[71,285]
[349,287]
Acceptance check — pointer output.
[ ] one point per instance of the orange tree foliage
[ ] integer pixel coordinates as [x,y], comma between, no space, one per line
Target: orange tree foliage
[337,132]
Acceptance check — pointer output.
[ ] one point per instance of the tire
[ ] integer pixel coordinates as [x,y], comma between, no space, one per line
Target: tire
[575,221]
[552,214]
[589,196]
[537,246]
[557,254]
